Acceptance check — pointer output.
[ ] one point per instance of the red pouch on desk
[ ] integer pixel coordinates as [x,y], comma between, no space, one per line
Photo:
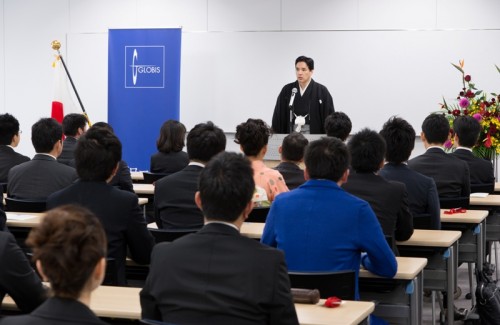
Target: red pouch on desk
[333,302]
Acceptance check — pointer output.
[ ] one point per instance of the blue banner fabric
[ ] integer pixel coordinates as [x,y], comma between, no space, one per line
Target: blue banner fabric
[143,88]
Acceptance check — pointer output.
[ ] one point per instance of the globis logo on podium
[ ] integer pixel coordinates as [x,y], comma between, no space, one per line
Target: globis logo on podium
[144,66]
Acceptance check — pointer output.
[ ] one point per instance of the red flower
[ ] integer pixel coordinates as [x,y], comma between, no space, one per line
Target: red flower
[466,112]
[487,143]
[456,112]
[467,78]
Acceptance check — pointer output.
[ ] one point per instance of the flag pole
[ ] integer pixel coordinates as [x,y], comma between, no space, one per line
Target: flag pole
[56,45]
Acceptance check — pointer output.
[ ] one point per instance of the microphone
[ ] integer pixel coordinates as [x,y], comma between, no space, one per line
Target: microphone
[294,91]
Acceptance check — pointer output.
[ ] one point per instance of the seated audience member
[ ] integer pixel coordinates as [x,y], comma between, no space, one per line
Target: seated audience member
[252,136]
[9,139]
[170,158]
[97,157]
[321,227]
[423,198]
[450,174]
[221,277]
[17,278]
[73,125]
[174,194]
[292,154]
[467,131]
[122,179]
[69,248]
[388,199]
[42,176]
[338,125]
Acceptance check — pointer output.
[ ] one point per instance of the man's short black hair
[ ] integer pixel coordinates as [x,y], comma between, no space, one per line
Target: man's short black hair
[327,158]
[204,141]
[399,137]
[97,153]
[72,122]
[367,150]
[467,129]
[226,186]
[308,61]
[338,125]
[9,127]
[436,128]
[45,133]
[293,146]
[252,136]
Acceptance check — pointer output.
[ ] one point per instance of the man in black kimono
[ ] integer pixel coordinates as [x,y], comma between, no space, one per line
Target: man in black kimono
[308,102]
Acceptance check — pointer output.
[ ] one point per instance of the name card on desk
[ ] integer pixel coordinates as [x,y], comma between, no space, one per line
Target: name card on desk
[479,194]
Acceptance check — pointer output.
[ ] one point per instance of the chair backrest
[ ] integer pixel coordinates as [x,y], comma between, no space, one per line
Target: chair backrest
[111,276]
[18,205]
[341,284]
[4,187]
[258,214]
[168,235]
[456,202]
[422,221]
[482,188]
[150,178]
[152,322]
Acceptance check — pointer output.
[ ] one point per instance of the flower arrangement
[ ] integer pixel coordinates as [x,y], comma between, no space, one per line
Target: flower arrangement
[483,107]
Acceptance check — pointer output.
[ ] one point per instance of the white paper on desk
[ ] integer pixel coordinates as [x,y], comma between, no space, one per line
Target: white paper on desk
[19,217]
[479,194]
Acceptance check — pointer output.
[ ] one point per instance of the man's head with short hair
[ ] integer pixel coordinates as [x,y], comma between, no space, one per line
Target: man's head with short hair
[399,137]
[226,187]
[467,130]
[9,127]
[72,123]
[293,147]
[45,135]
[204,141]
[97,154]
[252,136]
[338,125]
[327,158]
[435,129]
[308,61]
[367,150]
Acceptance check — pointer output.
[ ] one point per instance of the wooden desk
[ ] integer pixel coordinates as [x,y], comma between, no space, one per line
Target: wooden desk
[137,176]
[123,302]
[490,200]
[147,189]
[441,248]
[405,300]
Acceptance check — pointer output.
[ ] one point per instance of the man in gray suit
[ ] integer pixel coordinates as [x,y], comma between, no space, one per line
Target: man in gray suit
[42,176]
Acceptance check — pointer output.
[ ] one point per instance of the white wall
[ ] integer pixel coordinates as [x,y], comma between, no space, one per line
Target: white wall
[378,58]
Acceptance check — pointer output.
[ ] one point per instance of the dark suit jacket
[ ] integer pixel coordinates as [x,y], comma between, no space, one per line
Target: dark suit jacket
[38,178]
[423,197]
[481,170]
[168,163]
[120,215]
[219,277]
[174,199]
[56,311]
[122,178]
[17,277]
[388,199]
[450,174]
[293,175]
[67,156]
[8,159]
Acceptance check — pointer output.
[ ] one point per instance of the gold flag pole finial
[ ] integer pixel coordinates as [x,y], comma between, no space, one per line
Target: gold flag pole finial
[56,45]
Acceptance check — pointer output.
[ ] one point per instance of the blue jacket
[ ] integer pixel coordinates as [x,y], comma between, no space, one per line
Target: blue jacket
[320,227]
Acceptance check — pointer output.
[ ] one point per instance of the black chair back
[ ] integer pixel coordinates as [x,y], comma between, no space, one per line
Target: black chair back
[452,203]
[169,235]
[150,178]
[4,187]
[18,205]
[422,221]
[258,215]
[341,284]
[482,188]
[111,276]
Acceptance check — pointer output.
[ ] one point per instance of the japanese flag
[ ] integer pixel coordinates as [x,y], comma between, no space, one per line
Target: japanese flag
[62,102]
